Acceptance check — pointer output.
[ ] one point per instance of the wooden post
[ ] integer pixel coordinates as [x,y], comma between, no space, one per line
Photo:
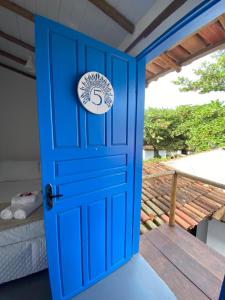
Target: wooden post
[173,200]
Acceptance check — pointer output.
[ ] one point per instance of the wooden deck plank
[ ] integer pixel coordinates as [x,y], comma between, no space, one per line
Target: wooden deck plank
[189,266]
[177,282]
[198,274]
[207,257]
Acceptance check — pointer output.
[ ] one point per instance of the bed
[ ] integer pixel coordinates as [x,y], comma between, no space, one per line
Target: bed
[22,242]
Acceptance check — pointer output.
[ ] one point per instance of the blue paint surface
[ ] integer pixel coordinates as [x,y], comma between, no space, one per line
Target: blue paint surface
[139,130]
[88,158]
[222,293]
[95,161]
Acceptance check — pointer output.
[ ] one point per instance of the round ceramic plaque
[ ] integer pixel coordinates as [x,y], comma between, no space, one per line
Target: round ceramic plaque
[95,92]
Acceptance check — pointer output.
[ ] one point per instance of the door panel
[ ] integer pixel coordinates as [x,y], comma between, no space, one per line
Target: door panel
[118,228]
[87,158]
[91,185]
[120,107]
[63,52]
[97,232]
[70,248]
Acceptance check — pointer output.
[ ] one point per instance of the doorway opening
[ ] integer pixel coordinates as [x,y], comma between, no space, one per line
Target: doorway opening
[184,116]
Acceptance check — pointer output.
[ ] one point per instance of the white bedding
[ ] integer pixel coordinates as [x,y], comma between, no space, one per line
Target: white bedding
[22,251]
[22,248]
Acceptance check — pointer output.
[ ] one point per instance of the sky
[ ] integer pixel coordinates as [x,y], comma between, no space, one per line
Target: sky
[164,94]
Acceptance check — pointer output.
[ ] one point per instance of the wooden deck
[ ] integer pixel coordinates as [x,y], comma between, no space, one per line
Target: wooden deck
[190,268]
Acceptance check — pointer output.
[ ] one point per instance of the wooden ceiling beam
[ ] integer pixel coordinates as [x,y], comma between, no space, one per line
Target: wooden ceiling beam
[222,21]
[170,62]
[17,71]
[182,49]
[16,41]
[157,63]
[114,14]
[168,11]
[150,73]
[12,57]
[206,50]
[17,9]
[201,38]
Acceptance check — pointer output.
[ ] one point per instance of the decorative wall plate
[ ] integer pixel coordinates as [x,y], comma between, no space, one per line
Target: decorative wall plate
[95,92]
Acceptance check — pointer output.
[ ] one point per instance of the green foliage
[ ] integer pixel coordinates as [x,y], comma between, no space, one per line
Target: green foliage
[160,130]
[204,126]
[210,77]
[197,128]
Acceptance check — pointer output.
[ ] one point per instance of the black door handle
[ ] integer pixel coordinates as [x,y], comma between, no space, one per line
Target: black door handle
[50,196]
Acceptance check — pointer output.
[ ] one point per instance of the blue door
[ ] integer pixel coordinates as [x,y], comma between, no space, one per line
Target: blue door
[87,159]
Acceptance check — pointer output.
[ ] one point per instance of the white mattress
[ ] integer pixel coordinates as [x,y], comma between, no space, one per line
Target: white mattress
[22,258]
[22,233]
[22,248]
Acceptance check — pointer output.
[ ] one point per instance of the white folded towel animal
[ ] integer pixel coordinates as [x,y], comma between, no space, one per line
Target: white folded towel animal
[8,213]
[22,211]
[25,198]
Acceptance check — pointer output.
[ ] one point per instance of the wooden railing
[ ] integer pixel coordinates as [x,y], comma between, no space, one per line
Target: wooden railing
[173,194]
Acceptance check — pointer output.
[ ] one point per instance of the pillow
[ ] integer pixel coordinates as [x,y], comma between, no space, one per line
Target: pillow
[19,170]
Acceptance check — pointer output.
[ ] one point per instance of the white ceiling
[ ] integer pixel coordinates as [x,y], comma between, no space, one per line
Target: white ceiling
[83,16]
[80,15]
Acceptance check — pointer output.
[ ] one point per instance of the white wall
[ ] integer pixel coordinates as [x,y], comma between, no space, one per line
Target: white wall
[216,236]
[148,154]
[202,230]
[18,117]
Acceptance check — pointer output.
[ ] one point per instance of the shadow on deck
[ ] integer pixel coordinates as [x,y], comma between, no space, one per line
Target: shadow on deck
[189,267]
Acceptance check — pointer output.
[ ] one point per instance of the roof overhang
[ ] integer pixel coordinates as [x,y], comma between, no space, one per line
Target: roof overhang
[204,41]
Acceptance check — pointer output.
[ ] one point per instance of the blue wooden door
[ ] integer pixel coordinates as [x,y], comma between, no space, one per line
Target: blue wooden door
[87,158]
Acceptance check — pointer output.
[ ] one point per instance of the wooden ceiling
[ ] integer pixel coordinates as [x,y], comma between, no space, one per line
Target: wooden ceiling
[207,39]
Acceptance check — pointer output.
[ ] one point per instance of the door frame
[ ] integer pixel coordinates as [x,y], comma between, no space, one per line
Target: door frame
[199,16]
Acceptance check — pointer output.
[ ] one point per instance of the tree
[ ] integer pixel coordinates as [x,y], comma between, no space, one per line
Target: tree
[159,130]
[210,76]
[196,128]
[203,126]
